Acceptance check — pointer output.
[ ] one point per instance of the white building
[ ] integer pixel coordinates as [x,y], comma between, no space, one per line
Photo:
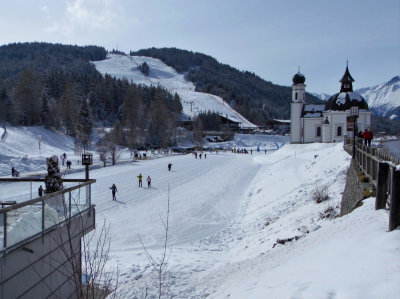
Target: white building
[329,122]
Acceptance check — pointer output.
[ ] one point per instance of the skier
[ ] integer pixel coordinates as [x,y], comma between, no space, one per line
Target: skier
[14,172]
[140,179]
[205,156]
[148,181]
[40,190]
[169,166]
[69,164]
[200,156]
[113,190]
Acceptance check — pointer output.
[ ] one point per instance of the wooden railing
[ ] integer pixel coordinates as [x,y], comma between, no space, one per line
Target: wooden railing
[383,171]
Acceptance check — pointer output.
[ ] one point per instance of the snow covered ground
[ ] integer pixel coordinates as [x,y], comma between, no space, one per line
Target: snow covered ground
[127,67]
[227,212]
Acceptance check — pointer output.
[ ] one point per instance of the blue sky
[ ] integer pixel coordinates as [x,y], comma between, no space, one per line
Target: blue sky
[269,38]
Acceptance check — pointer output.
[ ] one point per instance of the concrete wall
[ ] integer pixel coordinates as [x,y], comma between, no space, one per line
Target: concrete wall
[353,191]
[41,267]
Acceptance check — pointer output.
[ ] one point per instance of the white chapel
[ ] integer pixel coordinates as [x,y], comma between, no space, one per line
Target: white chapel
[329,122]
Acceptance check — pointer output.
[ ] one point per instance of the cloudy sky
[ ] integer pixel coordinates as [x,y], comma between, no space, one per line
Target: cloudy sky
[269,38]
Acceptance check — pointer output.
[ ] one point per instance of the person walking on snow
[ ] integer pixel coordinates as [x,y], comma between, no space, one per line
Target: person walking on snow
[169,166]
[40,190]
[140,179]
[113,190]
[367,135]
[148,181]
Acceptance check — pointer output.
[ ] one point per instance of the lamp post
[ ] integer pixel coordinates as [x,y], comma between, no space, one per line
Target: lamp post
[354,115]
[87,159]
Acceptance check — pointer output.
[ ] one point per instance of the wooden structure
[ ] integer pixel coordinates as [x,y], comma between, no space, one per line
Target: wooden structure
[383,171]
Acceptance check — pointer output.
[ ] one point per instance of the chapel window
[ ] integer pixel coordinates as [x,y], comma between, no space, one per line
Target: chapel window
[318,131]
[339,131]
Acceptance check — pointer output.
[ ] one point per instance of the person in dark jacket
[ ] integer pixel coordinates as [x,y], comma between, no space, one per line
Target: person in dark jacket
[14,172]
[113,191]
[40,190]
[169,166]
[148,181]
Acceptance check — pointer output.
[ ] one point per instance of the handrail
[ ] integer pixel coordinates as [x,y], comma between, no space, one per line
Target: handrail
[47,196]
[42,199]
[27,179]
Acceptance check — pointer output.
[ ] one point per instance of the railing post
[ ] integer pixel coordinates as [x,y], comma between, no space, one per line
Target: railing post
[89,195]
[5,230]
[394,213]
[382,186]
[43,218]
[70,206]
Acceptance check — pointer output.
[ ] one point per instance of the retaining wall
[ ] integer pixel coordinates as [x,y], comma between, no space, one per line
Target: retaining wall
[354,189]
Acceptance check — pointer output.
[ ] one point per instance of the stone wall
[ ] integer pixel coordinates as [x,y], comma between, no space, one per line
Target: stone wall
[353,191]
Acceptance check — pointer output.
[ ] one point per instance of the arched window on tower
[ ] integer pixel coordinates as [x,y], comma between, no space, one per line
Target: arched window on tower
[318,131]
[295,96]
[339,131]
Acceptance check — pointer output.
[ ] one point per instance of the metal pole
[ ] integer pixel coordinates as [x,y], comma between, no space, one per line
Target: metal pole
[87,171]
[354,137]
[5,230]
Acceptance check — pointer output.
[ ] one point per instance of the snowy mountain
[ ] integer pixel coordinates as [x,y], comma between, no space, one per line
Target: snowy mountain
[384,99]
[321,96]
[122,66]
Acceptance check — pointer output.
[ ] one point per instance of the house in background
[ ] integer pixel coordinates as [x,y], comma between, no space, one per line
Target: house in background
[329,122]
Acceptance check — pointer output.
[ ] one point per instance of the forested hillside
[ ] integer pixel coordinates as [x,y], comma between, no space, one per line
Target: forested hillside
[258,100]
[56,86]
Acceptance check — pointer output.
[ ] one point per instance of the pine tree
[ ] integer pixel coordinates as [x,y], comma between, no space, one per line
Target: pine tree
[27,99]
[45,112]
[84,124]
[68,109]
[6,108]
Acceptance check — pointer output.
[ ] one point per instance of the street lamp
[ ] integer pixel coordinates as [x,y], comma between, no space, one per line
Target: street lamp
[354,115]
[87,159]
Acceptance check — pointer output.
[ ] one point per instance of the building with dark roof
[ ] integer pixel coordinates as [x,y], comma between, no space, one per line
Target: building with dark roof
[329,122]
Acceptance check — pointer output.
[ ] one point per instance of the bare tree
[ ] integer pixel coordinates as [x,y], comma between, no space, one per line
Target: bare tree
[160,264]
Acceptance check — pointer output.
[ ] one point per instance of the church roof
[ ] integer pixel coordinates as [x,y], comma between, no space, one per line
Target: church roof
[312,110]
[346,98]
[343,101]
[298,78]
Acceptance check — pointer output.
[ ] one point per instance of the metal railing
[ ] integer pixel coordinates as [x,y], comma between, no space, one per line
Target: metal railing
[19,222]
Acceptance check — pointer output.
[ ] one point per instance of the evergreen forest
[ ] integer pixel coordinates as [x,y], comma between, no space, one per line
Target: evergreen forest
[56,86]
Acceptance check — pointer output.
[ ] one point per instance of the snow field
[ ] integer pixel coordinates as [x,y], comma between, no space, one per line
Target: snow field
[227,213]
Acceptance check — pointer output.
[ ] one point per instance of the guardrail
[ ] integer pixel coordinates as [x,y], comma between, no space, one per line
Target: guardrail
[22,221]
[383,171]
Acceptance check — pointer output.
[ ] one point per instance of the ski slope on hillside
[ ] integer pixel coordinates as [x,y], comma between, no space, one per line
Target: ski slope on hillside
[127,67]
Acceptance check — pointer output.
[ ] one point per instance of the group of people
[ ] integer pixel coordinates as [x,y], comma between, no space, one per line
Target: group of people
[140,178]
[64,161]
[367,136]
[114,190]
[199,154]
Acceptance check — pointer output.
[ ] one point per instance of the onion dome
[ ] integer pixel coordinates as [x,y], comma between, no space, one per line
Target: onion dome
[346,98]
[299,78]
[343,101]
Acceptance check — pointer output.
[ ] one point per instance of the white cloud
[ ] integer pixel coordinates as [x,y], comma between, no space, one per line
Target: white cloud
[87,16]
